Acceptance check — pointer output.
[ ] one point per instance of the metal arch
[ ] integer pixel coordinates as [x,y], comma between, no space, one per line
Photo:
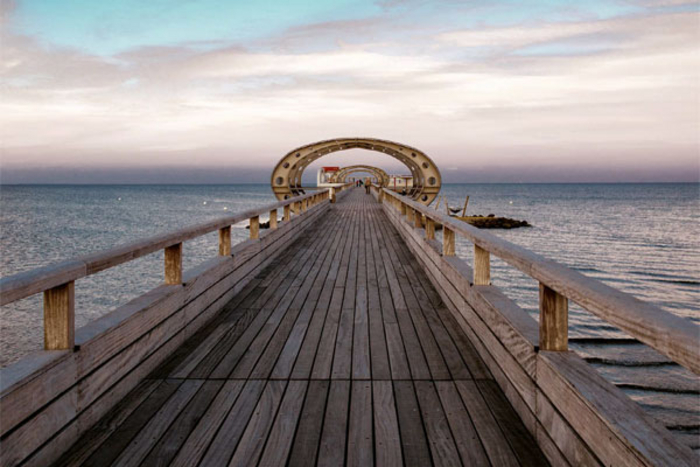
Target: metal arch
[286,176]
[342,174]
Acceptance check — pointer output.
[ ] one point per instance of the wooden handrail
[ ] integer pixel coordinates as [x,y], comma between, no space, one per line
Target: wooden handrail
[38,280]
[673,336]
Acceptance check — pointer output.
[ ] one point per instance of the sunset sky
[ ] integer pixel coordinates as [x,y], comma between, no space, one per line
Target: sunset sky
[209,91]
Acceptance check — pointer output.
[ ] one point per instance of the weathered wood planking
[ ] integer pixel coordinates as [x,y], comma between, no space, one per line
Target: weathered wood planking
[507,338]
[277,420]
[150,326]
[671,335]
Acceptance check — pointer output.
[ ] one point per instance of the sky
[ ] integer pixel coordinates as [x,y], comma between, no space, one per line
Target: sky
[207,91]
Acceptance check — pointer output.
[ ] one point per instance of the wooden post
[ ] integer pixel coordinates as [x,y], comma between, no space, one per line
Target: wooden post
[173,264]
[403,208]
[287,213]
[333,199]
[409,214]
[464,209]
[273,219]
[225,241]
[448,241]
[255,228]
[429,228]
[554,320]
[482,266]
[59,317]
[418,219]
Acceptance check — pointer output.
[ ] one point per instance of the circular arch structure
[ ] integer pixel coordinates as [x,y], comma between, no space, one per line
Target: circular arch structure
[342,175]
[286,176]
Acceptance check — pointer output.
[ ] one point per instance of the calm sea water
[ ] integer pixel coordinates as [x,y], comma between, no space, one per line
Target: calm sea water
[641,238]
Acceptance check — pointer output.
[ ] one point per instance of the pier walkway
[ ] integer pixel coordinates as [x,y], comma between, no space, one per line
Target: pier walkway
[348,333]
[340,351]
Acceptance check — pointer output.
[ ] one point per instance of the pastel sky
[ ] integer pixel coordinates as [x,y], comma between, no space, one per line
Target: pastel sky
[194,91]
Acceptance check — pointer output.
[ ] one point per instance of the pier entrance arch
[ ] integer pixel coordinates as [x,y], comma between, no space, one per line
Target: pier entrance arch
[341,175]
[287,174]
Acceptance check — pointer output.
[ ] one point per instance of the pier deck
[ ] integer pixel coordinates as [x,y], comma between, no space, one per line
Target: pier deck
[338,352]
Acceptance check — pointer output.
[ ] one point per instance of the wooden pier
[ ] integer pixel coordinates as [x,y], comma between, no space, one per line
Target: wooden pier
[346,334]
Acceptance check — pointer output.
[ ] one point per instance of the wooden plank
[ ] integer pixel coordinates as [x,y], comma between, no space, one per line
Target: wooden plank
[308,435]
[59,317]
[342,357]
[387,439]
[599,411]
[360,435]
[198,441]
[492,438]
[251,445]
[413,439]
[165,450]
[227,438]
[324,355]
[361,367]
[225,241]
[108,452]
[279,442]
[442,446]
[465,436]
[138,448]
[334,435]
[79,452]
[521,441]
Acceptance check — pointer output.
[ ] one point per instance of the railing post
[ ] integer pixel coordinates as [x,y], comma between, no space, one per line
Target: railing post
[409,214]
[429,228]
[482,266]
[287,213]
[333,198]
[554,320]
[273,219]
[59,317]
[225,241]
[418,219]
[255,228]
[403,208]
[173,264]
[448,241]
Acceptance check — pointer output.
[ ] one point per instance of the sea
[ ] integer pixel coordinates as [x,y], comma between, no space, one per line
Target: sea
[643,239]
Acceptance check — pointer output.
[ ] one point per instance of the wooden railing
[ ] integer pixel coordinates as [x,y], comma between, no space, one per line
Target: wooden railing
[57,281]
[576,416]
[673,336]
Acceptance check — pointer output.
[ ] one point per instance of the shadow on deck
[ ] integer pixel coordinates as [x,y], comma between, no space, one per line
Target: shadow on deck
[338,352]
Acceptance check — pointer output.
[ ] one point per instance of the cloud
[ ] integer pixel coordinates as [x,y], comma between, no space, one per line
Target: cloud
[632,97]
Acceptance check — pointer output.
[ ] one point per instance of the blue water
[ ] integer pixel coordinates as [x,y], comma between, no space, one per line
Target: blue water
[641,238]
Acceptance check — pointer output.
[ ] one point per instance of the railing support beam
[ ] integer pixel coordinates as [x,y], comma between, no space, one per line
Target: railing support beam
[429,228]
[482,266]
[554,320]
[255,228]
[59,317]
[173,264]
[448,241]
[273,219]
[225,241]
